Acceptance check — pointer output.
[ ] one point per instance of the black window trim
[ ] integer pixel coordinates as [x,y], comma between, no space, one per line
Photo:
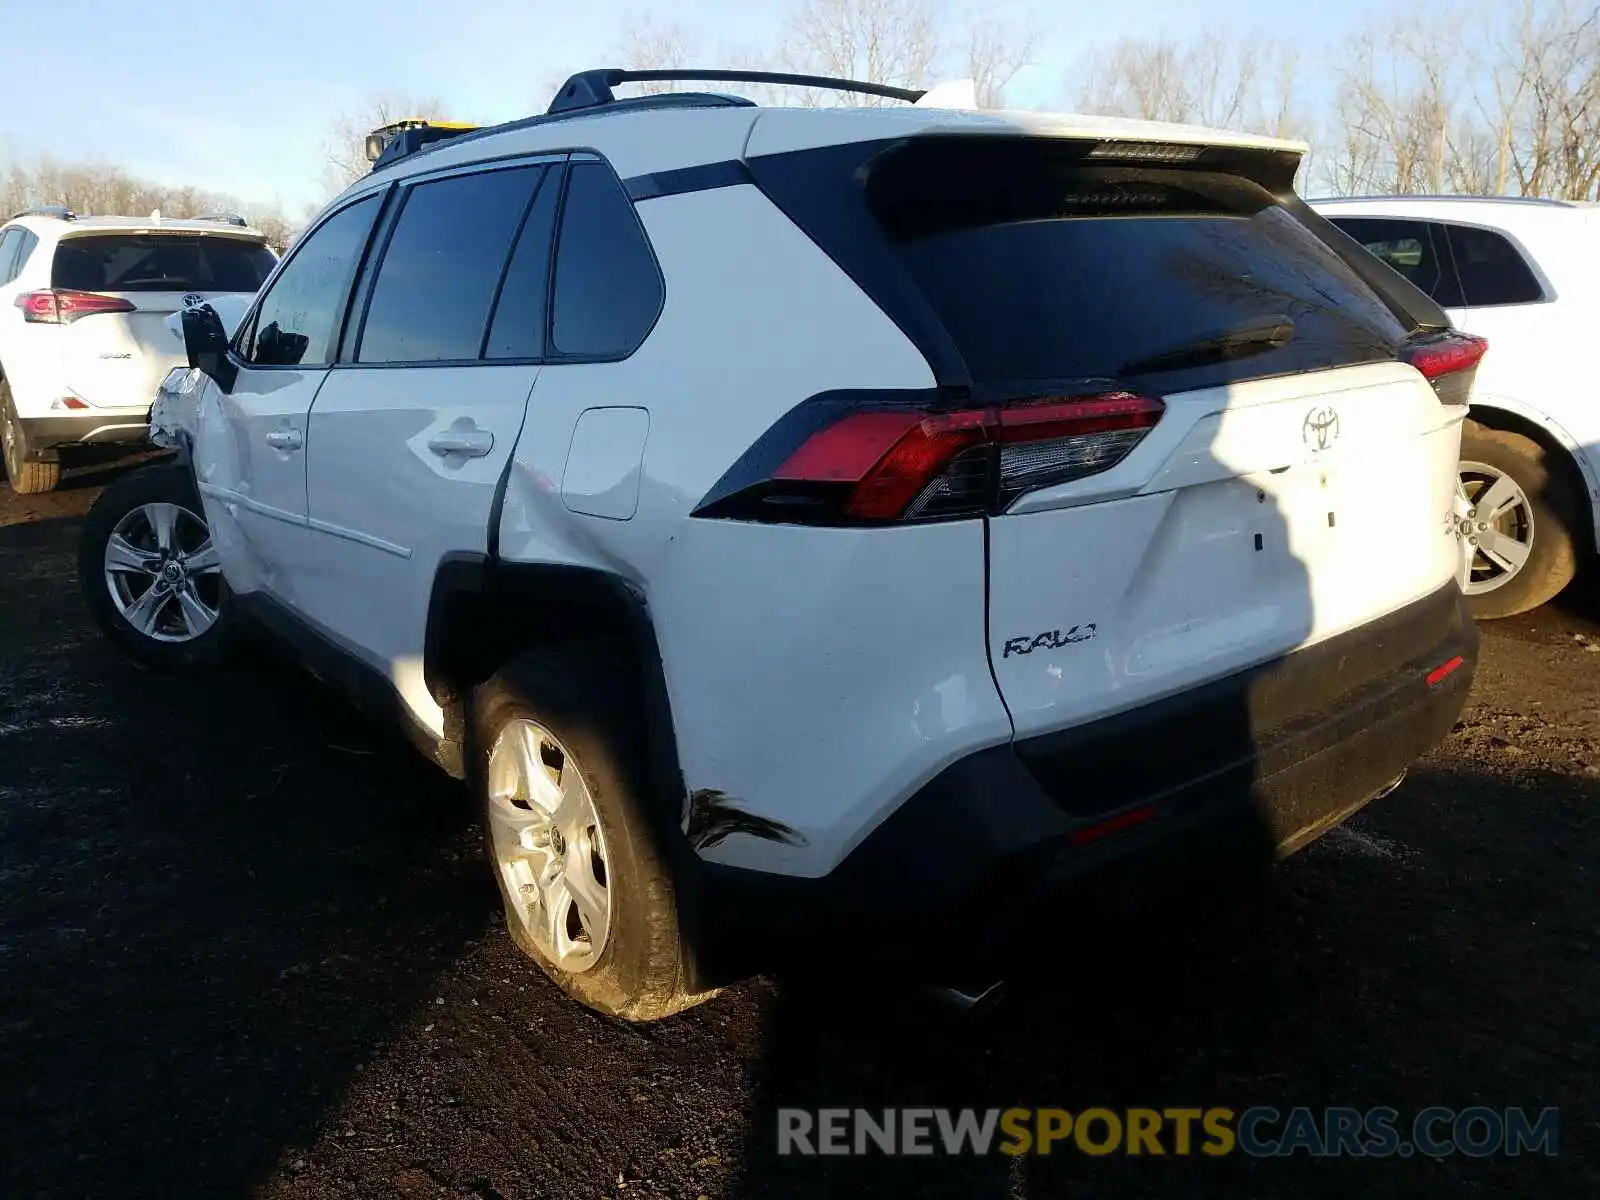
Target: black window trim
[29,243]
[355,326]
[1547,291]
[246,330]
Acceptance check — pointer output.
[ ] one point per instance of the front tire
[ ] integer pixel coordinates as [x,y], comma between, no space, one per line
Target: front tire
[150,572]
[27,478]
[1525,514]
[587,893]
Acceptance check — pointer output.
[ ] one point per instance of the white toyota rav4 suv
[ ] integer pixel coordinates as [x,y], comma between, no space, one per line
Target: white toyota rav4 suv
[1525,274]
[82,302]
[828,527]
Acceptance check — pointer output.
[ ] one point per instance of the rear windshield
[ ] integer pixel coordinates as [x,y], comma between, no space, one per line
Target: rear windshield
[160,262]
[1043,265]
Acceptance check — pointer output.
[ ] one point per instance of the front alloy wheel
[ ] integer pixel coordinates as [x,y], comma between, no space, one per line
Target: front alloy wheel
[162,572]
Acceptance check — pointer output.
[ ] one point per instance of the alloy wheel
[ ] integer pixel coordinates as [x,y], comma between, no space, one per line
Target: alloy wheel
[163,573]
[548,845]
[1495,520]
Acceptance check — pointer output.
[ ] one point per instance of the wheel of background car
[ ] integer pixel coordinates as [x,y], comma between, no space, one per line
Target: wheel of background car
[27,478]
[561,772]
[149,571]
[1519,522]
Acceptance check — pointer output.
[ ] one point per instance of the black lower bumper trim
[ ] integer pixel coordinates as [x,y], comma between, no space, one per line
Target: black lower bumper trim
[1244,770]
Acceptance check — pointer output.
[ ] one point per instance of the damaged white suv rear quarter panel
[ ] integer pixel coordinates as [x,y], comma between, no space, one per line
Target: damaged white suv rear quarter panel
[816,676]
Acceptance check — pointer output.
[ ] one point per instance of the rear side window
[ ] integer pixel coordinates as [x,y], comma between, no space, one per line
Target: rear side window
[297,322]
[160,262]
[520,317]
[608,289]
[1491,269]
[440,273]
[1416,249]
[1041,264]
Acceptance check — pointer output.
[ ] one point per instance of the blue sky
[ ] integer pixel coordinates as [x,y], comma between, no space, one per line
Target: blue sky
[238,97]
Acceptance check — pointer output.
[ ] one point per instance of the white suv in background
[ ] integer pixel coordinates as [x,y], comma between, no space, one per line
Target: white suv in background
[1525,274]
[82,306]
[846,525]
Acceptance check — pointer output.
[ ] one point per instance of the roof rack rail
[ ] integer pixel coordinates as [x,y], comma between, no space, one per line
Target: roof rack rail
[591,89]
[59,211]
[224,218]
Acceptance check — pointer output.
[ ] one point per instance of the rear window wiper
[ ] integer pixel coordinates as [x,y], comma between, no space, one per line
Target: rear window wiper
[1271,334]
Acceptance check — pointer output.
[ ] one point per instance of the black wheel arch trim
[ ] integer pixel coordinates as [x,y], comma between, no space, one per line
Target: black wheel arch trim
[483,611]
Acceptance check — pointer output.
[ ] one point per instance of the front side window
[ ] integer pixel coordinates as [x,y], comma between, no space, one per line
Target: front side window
[440,273]
[1492,270]
[297,323]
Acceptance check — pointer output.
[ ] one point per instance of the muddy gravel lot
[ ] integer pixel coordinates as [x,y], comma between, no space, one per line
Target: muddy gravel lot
[249,947]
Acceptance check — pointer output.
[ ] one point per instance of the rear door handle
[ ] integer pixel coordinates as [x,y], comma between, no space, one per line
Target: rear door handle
[469,443]
[286,439]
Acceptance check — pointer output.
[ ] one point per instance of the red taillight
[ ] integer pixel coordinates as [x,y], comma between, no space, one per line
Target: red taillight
[56,306]
[910,464]
[1448,361]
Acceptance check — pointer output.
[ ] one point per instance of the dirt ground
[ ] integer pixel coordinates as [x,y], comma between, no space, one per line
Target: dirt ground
[249,947]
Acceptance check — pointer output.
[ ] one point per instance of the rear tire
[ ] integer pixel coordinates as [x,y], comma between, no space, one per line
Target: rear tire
[574,703]
[27,478]
[159,620]
[1549,530]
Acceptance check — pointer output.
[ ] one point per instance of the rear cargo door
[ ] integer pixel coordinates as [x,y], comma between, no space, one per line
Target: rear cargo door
[117,359]
[1299,478]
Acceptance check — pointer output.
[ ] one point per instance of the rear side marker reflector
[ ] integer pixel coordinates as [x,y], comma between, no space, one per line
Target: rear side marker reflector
[1130,819]
[1444,670]
[884,465]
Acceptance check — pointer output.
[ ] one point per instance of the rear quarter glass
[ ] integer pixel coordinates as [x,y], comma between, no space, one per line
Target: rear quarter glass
[1074,271]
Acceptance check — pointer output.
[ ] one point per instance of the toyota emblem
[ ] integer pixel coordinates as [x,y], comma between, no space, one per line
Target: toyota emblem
[1321,428]
[193,300]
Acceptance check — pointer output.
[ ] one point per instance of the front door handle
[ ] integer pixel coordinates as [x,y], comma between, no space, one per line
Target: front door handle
[469,443]
[286,439]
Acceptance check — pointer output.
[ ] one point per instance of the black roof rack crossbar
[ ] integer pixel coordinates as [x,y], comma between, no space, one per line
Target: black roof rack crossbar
[590,89]
[59,211]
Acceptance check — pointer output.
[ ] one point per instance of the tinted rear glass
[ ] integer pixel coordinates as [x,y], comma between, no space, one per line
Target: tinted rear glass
[1010,260]
[1076,271]
[160,262]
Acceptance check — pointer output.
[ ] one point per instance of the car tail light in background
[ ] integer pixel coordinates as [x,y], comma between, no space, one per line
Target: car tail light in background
[57,306]
[1448,361]
[882,465]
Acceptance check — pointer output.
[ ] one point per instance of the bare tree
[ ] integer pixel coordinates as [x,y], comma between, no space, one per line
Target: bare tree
[344,149]
[1556,151]
[647,46]
[996,51]
[881,41]
[1212,79]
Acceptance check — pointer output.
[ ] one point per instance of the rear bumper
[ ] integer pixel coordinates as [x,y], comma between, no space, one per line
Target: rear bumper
[88,428]
[1243,771]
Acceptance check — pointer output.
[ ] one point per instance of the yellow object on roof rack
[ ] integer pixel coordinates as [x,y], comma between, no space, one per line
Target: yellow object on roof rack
[410,134]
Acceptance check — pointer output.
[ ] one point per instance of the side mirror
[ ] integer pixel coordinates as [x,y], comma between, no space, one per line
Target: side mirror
[206,341]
